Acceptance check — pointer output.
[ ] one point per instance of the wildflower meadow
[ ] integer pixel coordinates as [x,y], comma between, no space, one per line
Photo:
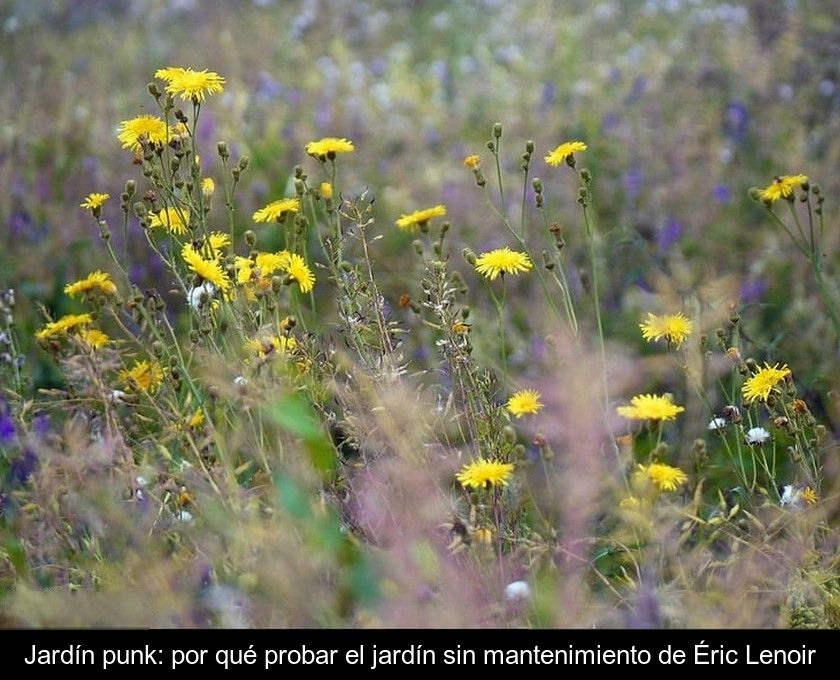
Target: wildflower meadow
[429,314]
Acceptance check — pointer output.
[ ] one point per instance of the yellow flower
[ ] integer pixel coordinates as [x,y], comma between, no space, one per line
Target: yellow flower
[329,147]
[565,151]
[190,84]
[274,345]
[216,243]
[782,187]
[524,401]
[276,210]
[173,220]
[98,282]
[502,261]
[94,201]
[146,127]
[482,473]
[94,338]
[63,325]
[650,407]
[196,420]
[208,187]
[472,162]
[209,270]
[760,385]
[673,328]
[326,191]
[632,503]
[810,496]
[144,376]
[483,535]
[418,218]
[664,477]
[300,272]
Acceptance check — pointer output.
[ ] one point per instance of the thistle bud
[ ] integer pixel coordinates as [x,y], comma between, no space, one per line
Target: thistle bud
[585,175]
[180,116]
[222,149]
[299,188]
[469,256]
[298,170]
[537,184]
[130,187]
[529,146]
[154,90]
[548,263]
[509,434]
[497,130]
[244,162]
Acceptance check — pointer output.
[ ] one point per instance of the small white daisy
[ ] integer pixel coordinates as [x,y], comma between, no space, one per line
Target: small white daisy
[201,295]
[716,423]
[791,497]
[240,380]
[757,435]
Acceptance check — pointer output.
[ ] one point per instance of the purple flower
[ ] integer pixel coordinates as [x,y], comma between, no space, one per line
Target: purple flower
[7,429]
[637,91]
[549,95]
[670,233]
[632,181]
[42,424]
[753,290]
[23,467]
[736,119]
[722,193]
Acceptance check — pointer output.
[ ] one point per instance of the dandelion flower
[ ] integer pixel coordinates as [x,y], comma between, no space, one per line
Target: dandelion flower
[782,187]
[810,496]
[502,261]
[274,345]
[757,435]
[795,498]
[300,272]
[208,187]
[650,407]
[565,151]
[209,270]
[217,241]
[276,210]
[673,328]
[326,191]
[150,128]
[482,473]
[524,402]
[201,295]
[196,420]
[174,221]
[94,338]
[764,381]
[63,325]
[94,201]
[145,376]
[473,161]
[329,147]
[95,282]
[191,85]
[412,221]
[664,477]
[717,423]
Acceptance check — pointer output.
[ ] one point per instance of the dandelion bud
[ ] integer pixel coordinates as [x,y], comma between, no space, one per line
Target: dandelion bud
[480,180]
[437,248]
[519,451]
[157,349]
[469,256]
[174,164]
[491,145]
[821,431]
[805,184]
[326,191]
[250,238]
[509,434]
[180,116]
[465,312]
[154,90]
[418,246]
[585,175]
[540,201]
[140,209]
[570,160]
[444,227]
[816,189]
[244,162]
[529,146]
[222,150]
[497,130]
[298,170]
[751,365]
[194,337]
[548,263]
[104,232]
[130,187]
[299,187]
[537,184]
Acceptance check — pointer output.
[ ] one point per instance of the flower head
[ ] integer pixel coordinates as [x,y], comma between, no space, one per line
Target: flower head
[757,435]
[297,269]
[191,85]
[151,128]
[564,151]
[173,220]
[326,191]
[482,473]
[144,376]
[411,221]
[208,187]
[196,420]
[673,328]
[502,261]
[782,187]
[209,270]
[94,201]
[271,345]
[276,210]
[650,407]
[199,296]
[523,402]
[329,147]
[810,496]
[95,282]
[472,162]
[717,423]
[94,338]
[764,381]
[216,242]
[65,324]
[664,477]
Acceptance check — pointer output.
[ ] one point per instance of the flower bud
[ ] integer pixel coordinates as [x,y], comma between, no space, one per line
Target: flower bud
[469,256]
[222,149]
[244,162]
[154,90]
[497,130]
[529,146]
[537,184]
[509,434]
[250,238]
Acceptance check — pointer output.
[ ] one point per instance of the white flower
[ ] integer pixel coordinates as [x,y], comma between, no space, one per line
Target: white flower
[757,435]
[141,481]
[716,423]
[116,395]
[517,591]
[240,380]
[184,516]
[791,497]
[201,295]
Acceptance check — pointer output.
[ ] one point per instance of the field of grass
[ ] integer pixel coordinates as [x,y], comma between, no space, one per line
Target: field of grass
[382,313]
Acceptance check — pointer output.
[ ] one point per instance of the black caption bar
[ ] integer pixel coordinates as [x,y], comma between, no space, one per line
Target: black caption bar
[111,651]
